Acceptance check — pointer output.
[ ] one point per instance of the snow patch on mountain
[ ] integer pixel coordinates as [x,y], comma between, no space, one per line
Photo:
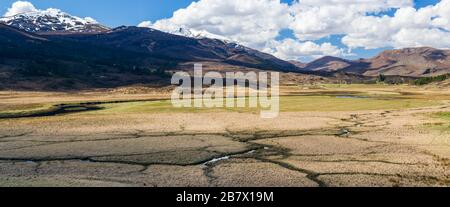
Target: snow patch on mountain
[52,20]
[187,32]
[198,34]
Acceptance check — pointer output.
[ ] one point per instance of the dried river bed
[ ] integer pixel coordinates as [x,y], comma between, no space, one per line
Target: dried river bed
[223,148]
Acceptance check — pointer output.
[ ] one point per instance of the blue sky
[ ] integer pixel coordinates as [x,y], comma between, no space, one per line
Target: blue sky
[132,12]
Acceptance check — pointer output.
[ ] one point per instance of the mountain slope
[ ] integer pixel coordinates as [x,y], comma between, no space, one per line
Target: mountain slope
[298,64]
[328,64]
[11,34]
[31,61]
[52,20]
[181,49]
[411,62]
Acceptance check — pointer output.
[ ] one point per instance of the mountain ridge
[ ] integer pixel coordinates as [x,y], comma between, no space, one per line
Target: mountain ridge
[155,42]
[121,56]
[412,62]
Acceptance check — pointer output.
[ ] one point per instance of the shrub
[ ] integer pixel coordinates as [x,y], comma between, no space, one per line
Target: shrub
[428,80]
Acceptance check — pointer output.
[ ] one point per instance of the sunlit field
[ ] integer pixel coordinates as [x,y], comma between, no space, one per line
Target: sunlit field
[287,104]
[325,135]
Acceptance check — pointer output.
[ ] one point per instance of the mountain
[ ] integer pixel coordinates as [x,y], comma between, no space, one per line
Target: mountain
[117,57]
[298,63]
[192,33]
[327,64]
[53,20]
[415,62]
[52,50]
[409,62]
[35,62]
[179,48]
[11,34]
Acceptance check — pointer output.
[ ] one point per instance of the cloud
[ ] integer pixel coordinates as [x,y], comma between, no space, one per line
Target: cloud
[290,49]
[408,27]
[145,24]
[20,7]
[315,19]
[421,37]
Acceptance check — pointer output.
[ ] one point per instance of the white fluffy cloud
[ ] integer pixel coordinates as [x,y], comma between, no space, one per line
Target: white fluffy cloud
[356,20]
[409,27]
[315,19]
[145,24]
[20,7]
[291,49]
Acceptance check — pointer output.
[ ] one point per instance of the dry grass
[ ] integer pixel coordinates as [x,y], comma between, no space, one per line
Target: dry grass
[318,139]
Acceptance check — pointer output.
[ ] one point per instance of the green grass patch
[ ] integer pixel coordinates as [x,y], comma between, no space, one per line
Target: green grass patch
[298,103]
[445,124]
[327,103]
[47,110]
[444,115]
[354,86]
[287,104]
[25,112]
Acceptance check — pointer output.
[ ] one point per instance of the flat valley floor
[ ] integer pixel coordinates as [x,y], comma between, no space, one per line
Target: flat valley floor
[326,135]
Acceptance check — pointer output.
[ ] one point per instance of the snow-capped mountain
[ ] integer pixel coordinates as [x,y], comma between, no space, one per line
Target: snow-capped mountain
[52,20]
[118,57]
[187,32]
[192,33]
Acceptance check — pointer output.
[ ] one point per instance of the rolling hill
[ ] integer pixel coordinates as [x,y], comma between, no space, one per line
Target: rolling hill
[409,62]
